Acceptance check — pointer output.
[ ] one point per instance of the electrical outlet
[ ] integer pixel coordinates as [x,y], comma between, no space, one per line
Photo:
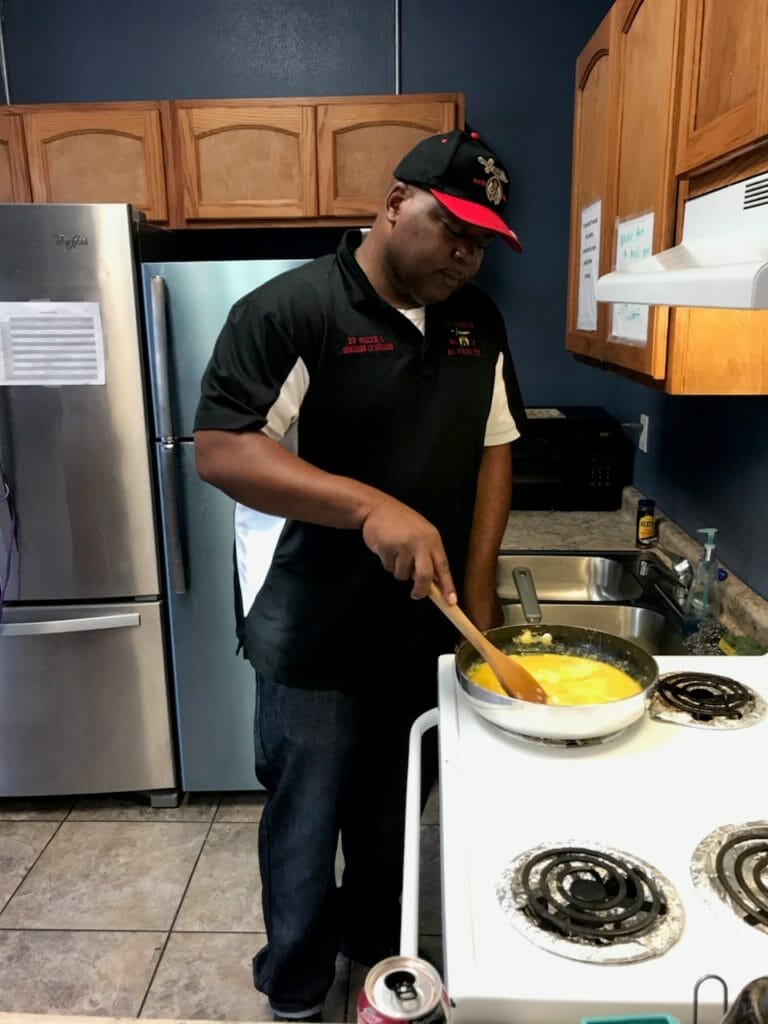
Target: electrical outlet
[642,441]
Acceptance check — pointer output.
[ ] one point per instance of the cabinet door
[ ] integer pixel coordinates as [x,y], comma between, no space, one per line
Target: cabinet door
[718,351]
[98,153]
[647,46]
[360,143]
[243,160]
[592,193]
[14,183]
[725,85]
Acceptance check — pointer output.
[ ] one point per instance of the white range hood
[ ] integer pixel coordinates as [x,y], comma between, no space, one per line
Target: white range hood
[722,260]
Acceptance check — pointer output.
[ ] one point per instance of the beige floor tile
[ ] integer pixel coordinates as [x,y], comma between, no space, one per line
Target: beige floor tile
[224,894]
[20,845]
[42,809]
[431,815]
[193,807]
[209,976]
[430,912]
[241,806]
[105,875]
[95,973]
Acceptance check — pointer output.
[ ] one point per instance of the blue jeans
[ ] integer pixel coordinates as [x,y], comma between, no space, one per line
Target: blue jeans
[332,763]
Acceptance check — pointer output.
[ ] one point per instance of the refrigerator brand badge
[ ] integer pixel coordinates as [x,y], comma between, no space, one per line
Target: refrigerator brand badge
[71,241]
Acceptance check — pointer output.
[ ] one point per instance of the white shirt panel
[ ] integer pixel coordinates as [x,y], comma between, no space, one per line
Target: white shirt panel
[285,409]
[500,427]
[256,533]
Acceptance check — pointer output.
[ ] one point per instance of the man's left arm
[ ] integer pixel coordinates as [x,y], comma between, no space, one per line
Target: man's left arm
[492,503]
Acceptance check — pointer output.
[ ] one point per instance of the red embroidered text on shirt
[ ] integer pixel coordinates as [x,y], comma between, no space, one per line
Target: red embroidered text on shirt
[367,343]
[461,342]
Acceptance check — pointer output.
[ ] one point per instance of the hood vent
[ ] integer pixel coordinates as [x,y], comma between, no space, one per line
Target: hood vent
[756,193]
[722,260]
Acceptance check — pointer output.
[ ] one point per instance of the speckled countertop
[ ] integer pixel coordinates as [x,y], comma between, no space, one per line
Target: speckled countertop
[57,1018]
[742,610]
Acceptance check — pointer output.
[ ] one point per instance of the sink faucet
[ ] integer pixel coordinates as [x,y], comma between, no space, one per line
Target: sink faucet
[680,576]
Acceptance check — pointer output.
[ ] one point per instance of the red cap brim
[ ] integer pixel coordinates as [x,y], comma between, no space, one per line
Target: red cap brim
[477,215]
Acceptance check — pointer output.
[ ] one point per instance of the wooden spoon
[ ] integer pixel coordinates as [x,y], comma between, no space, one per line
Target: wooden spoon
[514,679]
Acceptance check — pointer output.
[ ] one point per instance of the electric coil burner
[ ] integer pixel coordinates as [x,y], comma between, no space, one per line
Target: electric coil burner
[519,910]
[705,700]
[591,903]
[731,863]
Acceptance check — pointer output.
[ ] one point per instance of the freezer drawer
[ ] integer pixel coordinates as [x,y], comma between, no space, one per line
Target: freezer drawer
[84,700]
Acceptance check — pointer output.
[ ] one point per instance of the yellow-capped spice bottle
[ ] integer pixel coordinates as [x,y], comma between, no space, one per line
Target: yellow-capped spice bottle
[645,525]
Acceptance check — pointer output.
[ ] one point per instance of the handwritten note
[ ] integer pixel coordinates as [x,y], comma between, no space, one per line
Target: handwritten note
[589,266]
[634,242]
[51,343]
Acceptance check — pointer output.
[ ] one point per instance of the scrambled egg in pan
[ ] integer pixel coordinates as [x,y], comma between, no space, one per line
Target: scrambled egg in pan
[566,679]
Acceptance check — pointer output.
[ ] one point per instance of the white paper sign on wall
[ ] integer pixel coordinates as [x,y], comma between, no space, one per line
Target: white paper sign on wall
[589,266]
[634,242]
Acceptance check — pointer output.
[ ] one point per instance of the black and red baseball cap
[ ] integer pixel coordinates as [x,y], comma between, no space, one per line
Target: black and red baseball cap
[465,176]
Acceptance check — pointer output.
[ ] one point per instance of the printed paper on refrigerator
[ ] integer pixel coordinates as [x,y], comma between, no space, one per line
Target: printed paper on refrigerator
[51,343]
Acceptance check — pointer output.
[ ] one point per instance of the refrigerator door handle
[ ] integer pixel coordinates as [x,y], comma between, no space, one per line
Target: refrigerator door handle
[171,519]
[160,358]
[84,625]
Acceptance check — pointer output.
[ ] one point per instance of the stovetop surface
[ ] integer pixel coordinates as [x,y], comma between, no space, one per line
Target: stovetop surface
[655,792]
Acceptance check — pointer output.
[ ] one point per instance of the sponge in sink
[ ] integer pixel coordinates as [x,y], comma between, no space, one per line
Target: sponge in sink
[733,644]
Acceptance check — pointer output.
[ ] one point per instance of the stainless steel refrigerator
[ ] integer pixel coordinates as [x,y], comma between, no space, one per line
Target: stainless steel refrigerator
[84,695]
[187,303]
[118,653]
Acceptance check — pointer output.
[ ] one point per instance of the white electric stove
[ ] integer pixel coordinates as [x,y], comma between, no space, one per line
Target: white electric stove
[581,882]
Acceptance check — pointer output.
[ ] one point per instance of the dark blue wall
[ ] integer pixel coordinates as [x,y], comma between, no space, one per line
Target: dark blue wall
[514,60]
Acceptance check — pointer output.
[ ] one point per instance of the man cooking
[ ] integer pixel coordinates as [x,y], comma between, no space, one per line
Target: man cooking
[360,410]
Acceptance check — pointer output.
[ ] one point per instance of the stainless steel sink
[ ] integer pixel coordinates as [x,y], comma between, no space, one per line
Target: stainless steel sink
[644,626]
[569,577]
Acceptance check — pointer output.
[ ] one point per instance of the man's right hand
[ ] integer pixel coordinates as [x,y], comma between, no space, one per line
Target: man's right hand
[409,547]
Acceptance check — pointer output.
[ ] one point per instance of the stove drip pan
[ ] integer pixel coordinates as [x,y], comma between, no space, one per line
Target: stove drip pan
[705,701]
[591,903]
[564,744]
[730,867]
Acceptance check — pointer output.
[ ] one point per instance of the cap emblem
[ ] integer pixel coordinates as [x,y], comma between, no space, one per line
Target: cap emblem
[493,187]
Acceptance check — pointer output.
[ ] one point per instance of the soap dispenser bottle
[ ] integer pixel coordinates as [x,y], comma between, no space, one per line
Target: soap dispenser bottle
[702,599]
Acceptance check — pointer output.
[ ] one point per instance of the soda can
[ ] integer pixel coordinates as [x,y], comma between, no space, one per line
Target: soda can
[403,990]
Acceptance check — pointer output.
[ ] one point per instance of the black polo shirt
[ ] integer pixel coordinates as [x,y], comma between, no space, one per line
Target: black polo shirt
[317,360]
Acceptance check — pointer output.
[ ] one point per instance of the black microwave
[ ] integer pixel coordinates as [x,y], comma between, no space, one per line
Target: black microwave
[571,458]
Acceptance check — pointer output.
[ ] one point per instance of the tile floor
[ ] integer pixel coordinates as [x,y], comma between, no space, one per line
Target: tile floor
[109,907]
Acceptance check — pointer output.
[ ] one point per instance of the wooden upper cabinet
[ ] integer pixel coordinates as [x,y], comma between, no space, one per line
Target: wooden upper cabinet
[718,351]
[360,142]
[242,159]
[14,183]
[592,193]
[725,84]
[647,45]
[99,153]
